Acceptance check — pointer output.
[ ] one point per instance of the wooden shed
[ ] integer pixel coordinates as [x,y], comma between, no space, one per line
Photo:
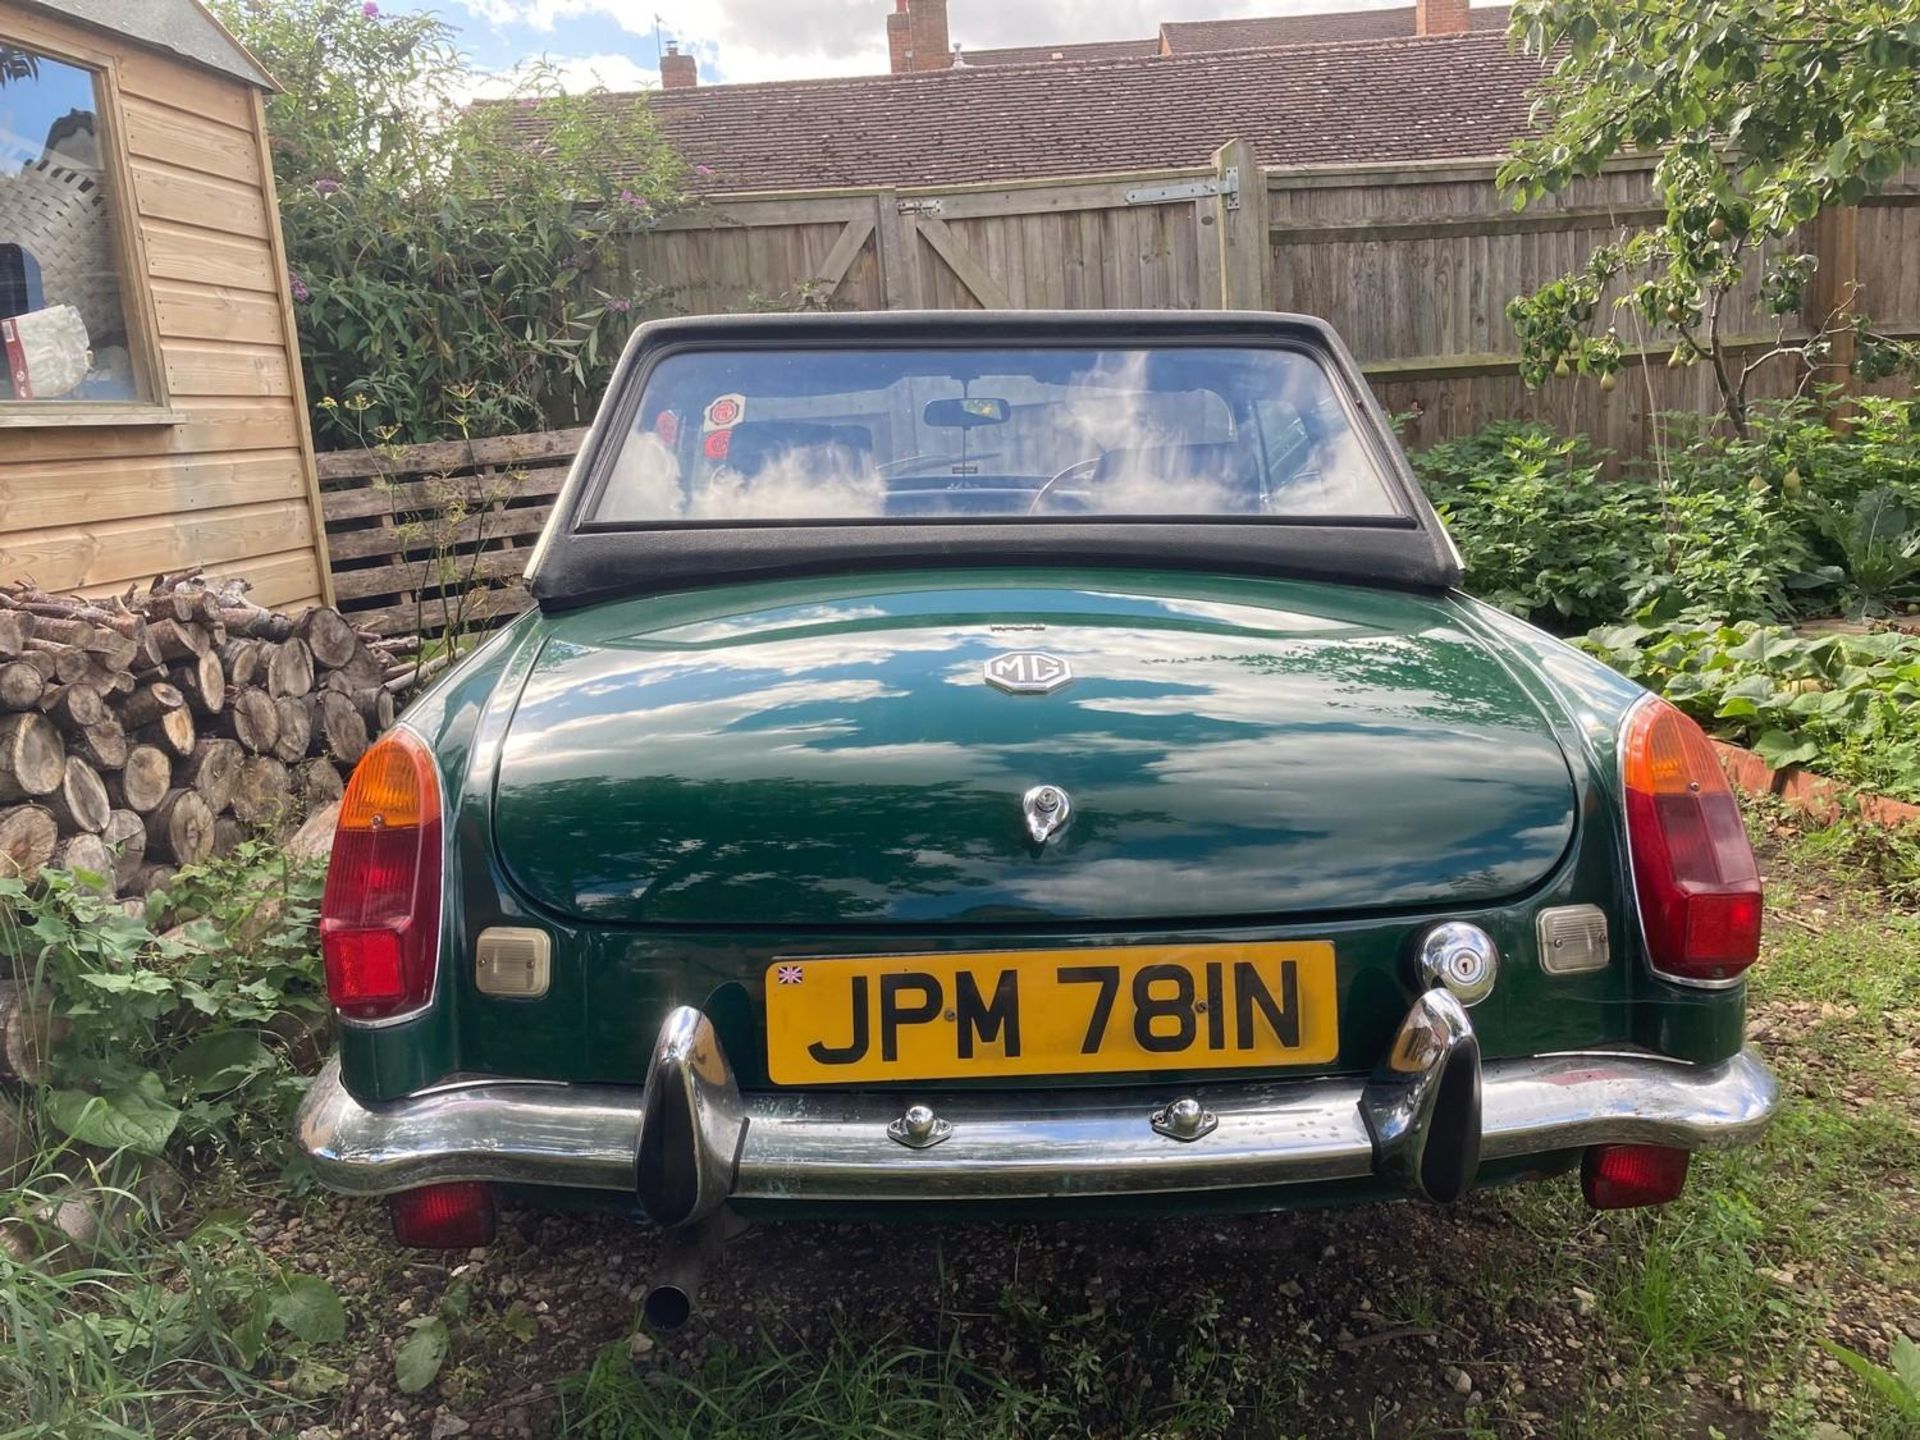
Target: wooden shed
[151,406]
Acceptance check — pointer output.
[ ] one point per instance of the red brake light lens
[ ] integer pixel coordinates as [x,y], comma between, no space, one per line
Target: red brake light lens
[1625,1177]
[380,916]
[1693,869]
[456,1215]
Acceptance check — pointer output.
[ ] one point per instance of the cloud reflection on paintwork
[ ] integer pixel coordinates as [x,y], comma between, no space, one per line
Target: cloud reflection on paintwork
[806,774]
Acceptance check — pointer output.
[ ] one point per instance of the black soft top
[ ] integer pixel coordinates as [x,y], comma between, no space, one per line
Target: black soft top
[578,561]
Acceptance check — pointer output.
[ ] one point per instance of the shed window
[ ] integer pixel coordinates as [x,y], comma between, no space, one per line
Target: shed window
[63,320]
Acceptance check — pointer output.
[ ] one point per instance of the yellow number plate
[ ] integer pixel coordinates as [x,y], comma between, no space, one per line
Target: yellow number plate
[1050,1012]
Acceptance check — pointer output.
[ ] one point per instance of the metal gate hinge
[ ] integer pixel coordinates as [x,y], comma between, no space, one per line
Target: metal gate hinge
[1227,187]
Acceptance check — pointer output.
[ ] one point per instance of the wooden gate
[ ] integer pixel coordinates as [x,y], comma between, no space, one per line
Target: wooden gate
[1181,239]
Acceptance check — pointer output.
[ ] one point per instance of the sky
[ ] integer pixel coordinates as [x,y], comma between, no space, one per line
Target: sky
[611,42]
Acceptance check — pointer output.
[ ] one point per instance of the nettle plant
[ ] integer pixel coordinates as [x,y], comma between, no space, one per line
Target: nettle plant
[432,239]
[1765,113]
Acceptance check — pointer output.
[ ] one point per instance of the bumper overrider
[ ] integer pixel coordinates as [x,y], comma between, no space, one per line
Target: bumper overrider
[689,1141]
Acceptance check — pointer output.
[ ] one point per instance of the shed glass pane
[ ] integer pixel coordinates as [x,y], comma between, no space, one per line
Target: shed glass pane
[63,321]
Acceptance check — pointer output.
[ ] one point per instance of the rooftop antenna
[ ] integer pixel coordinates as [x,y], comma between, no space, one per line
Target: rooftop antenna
[659,46]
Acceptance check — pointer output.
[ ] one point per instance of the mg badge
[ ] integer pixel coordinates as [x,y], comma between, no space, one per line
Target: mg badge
[1028,672]
[1047,809]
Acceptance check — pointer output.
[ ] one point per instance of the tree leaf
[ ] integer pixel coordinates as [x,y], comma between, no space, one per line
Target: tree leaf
[1779,750]
[137,1119]
[310,1310]
[418,1360]
[221,1060]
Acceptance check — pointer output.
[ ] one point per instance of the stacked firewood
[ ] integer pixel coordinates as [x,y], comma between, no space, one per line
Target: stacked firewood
[156,728]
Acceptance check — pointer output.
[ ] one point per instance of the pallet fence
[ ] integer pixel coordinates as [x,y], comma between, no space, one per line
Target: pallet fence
[424,536]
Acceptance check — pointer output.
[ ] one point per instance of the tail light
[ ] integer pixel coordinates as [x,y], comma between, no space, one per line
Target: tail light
[456,1215]
[1692,866]
[1623,1177]
[380,916]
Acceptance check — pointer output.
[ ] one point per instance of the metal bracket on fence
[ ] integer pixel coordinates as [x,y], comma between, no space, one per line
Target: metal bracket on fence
[1227,186]
[918,207]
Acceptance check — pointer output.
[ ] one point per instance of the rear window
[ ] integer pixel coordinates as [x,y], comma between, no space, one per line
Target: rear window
[978,434]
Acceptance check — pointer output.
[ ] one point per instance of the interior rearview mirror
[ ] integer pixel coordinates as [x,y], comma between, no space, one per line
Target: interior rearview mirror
[967,414]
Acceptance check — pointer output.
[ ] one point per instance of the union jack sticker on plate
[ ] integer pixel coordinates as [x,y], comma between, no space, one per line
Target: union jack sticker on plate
[789,974]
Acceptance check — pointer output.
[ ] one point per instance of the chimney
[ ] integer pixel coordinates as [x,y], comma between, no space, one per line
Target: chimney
[1440,17]
[677,71]
[931,49]
[899,39]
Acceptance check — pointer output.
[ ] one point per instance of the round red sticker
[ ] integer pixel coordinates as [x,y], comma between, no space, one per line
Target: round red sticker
[723,412]
[666,425]
[718,443]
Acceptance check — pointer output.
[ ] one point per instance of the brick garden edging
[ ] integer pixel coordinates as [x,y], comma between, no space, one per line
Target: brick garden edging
[1815,795]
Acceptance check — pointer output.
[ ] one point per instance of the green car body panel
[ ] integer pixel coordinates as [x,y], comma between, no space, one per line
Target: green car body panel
[681,788]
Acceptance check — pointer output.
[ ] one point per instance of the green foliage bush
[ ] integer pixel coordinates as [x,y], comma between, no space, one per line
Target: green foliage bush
[432,247]
[177,1047]
[1846,705]
[1795,517]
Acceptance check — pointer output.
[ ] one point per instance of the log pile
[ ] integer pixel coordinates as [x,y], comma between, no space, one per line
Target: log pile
[156,728]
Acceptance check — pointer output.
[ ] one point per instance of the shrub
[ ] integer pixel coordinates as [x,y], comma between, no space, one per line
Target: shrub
[1847,705]
[431,245]
[1795,517]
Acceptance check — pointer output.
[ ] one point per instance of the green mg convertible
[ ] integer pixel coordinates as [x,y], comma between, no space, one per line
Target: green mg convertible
[999,764]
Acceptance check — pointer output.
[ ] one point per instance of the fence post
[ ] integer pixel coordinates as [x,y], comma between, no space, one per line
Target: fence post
[1240,213]
[893,242]
[1831,298]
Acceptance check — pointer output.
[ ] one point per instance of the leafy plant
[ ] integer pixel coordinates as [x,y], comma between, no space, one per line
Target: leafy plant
[185,1034]
[1898,1386]
[1763,116]
[1879,540]
[433,240]
[1849,705]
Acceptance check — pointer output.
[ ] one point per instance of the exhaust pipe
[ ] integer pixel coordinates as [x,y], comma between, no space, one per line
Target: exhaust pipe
[678,1270]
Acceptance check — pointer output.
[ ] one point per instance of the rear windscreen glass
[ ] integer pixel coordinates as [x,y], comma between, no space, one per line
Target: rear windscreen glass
[980,434]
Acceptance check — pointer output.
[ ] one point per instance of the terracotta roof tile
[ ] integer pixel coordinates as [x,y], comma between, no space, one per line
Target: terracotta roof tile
[1438,97]
[1188,37]
[1083,50]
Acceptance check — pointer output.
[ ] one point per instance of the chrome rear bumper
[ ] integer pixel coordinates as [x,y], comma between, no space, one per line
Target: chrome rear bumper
[689,1140]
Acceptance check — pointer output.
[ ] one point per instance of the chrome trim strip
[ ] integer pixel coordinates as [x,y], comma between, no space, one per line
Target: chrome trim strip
[833,1145]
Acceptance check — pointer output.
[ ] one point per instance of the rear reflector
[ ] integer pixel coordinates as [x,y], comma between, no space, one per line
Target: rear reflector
[380,916]
[454,1216]
[1622,1177]
[1693,869]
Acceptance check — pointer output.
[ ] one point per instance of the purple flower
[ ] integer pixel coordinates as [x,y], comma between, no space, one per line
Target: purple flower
[703,169]
[370,10]
[619,307]
[299,287]
[326,185]
[633,201]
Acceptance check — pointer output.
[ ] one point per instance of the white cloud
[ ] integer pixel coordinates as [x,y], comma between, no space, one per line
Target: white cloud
[573,73]
[750,40]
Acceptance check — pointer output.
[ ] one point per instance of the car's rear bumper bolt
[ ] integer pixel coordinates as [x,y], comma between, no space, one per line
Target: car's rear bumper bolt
[919,1128]
[1185,1119]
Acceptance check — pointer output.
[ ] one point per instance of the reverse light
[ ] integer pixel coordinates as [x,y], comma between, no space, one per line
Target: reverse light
[456,1215]
[1693,869]
[380,916]
[1625,1177]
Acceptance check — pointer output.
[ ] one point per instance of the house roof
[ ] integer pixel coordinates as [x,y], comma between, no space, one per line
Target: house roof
[1082,50]
[1186,37]
[184,28]
[1437,97]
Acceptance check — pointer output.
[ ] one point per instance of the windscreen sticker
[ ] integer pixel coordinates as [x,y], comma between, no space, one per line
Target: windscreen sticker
[666,428]
[726,411]
[718,444]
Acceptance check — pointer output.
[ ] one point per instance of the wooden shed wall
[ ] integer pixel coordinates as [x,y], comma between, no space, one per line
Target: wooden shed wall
[230,484]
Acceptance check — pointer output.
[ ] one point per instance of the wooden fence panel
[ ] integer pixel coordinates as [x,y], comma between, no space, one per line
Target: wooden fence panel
[424,538]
